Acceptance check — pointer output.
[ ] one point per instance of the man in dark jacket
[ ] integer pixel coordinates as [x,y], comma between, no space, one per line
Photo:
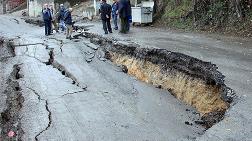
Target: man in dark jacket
[47,17]
[129,16]
[124,14]
[105,12]
[69,23]
[61,15]
[115,13]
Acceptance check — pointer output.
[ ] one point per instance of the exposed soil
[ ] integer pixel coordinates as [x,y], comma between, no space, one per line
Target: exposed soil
[191,80]
[10,119]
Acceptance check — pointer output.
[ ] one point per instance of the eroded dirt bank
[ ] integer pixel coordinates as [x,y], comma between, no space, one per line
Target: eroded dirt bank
[10,116]
[191,80]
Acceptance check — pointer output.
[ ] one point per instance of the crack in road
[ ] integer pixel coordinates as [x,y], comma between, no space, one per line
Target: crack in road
[17,21]
[60,44]
[10,117]
[47,109]
[37,94]
[34,58]
[31,44]
[73,93]
[51,61]
[49,123]
[63,70]
[56,65]
[5,58]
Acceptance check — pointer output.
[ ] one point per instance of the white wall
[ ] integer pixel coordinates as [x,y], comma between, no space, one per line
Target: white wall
[35,7]
[97,5]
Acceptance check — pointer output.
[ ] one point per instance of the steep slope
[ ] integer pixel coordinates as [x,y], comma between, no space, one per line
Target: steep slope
[228,16]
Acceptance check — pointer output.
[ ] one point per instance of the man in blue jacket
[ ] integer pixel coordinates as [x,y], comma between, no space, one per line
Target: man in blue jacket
[105,12]
[69,23]
[47,17]
[115,7]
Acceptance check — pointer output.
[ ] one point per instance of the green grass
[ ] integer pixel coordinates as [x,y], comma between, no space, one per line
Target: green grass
[173,15]
[175,11]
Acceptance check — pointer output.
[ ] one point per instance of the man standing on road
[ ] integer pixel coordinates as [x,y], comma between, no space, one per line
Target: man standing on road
[62,12]
[47,17]
[129,16]
[124,14]
[115,13]
[69,23]
[105,12]
[54,23]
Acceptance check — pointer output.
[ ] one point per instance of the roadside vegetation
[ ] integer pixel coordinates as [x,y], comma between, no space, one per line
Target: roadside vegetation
[225,16]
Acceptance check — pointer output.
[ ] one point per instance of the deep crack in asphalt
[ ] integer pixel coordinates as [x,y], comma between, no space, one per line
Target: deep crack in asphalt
[10,118]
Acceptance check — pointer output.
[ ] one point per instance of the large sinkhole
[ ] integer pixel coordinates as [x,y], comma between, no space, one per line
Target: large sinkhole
[193,81]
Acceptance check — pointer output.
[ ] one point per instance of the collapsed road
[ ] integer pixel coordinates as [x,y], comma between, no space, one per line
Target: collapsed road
[93,88]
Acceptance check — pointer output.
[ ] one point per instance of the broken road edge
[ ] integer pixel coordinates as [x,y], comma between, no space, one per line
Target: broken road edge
[193,81]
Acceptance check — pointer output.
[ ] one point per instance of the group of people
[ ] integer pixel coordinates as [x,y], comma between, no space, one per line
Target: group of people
[62,19]
[59,20]
[121,8]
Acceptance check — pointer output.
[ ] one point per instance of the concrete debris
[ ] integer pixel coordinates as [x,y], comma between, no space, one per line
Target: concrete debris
[89,57]
[92,46]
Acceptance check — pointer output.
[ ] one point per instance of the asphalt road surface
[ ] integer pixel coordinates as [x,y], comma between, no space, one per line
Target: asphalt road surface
[81,96]
[233,56]
[84,97]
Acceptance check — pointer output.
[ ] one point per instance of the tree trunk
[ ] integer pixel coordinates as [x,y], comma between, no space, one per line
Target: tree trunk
[4,6]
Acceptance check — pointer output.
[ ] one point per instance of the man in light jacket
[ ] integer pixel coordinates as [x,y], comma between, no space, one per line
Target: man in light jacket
[115,7]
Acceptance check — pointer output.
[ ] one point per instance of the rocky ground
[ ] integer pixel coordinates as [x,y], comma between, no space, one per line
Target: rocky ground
[58,89]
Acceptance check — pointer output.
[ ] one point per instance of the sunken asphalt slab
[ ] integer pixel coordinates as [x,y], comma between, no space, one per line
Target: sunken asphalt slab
[82,97]
[233,56]
[113,105]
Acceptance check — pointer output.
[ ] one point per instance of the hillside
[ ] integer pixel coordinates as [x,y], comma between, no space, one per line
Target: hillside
[225,16]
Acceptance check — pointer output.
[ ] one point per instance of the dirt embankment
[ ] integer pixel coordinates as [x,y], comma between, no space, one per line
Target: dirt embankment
[10,117]
[195,82]
[222,16]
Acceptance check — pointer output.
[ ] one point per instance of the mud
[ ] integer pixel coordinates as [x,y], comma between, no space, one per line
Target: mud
[195,82]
